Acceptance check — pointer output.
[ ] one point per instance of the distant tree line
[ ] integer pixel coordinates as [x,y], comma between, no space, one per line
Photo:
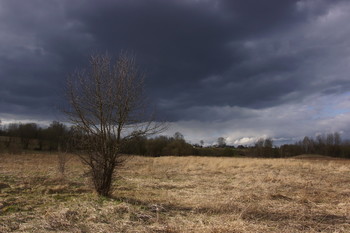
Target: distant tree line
[324,144]
[175,145]
[18,137]
[327,144]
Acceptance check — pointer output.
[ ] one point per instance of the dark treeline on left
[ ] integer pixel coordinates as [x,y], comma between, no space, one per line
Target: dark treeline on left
[16,137]
[19,137]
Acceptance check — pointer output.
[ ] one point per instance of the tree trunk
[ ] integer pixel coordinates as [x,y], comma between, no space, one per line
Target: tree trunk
[102,179]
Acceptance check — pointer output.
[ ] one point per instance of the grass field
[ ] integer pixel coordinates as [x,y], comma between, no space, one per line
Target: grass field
[178,194]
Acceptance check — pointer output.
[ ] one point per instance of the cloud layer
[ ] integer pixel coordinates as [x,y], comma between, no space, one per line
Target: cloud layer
[234,68]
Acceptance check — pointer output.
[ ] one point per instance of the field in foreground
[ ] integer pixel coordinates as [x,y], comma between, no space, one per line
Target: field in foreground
[178,194]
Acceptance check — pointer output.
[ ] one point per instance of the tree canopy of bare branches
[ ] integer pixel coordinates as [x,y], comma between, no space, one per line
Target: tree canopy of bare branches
[107,108]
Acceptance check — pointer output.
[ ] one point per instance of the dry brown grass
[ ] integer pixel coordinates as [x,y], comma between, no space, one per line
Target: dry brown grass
[177,194]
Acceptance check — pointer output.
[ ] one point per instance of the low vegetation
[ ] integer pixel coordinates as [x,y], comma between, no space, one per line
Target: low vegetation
[20,138]
[177,194]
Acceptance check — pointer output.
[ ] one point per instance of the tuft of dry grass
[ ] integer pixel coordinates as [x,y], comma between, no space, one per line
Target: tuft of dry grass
[177,194]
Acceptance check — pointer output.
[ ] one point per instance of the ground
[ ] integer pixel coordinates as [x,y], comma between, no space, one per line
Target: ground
[177,194]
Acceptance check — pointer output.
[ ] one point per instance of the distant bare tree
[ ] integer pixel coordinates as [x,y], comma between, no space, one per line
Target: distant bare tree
[62,160]
[268,143]
[57,134]
[221,142]
[263,147]
[107,108]
[330,139]
[308,145]
[27,132]
[178,136]
[337,139]
[259,143]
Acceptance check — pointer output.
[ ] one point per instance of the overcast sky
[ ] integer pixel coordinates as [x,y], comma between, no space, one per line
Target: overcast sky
[241,69]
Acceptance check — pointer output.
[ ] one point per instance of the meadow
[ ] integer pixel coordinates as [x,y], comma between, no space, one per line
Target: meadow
[177,194]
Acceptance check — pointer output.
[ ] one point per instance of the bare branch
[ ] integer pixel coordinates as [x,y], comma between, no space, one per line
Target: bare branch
[108,107]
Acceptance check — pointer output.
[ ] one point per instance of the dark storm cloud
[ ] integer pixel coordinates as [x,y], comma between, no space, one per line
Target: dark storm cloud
[196,54]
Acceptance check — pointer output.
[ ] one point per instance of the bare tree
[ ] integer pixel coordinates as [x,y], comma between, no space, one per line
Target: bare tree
[107,108]
[178,136]
[264,147]
[268,143]
[62,160]
[221,142]
[337,139]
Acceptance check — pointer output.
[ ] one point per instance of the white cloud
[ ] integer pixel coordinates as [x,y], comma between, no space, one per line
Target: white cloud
[285,123]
